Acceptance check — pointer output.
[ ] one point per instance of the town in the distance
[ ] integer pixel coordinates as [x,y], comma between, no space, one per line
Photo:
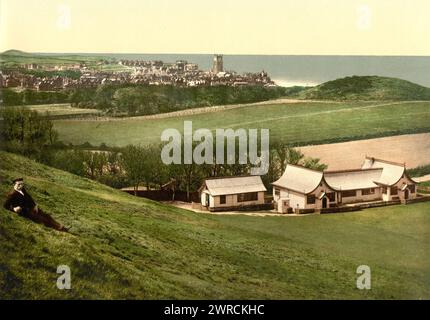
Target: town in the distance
[83,74]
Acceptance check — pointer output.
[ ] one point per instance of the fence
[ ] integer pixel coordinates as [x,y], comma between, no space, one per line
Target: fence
[166,195]
[340,209]
[419,199]
[256,207]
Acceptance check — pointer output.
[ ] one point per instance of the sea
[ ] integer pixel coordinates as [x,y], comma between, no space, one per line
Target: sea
[304,70]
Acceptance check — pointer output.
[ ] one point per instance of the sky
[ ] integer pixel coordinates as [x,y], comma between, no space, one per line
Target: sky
[286,27]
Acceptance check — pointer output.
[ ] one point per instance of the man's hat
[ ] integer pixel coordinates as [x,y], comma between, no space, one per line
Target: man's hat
[17,179]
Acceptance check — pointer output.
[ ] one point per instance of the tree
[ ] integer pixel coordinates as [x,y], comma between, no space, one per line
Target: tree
[156,171]
[313,163]
[25,131]
[281,155]
[96,162]
[133,162]
[69,160]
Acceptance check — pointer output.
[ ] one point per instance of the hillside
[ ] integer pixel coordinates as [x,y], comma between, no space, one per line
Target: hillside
[127,247]
[14,52]
[14,57]
[367,88]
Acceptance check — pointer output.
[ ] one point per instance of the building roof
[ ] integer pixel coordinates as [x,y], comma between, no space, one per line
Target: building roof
[299,179]
[234,185]
[353,179]
[391,173]
[374,172]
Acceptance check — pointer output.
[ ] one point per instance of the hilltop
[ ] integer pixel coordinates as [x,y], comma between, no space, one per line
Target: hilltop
[367,88]
[128,247]
[14,52]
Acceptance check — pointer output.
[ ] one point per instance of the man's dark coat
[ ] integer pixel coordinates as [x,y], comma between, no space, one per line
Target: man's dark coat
[16,199]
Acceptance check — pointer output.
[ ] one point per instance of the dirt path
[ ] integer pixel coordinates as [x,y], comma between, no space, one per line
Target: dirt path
[188,206]
[413,149]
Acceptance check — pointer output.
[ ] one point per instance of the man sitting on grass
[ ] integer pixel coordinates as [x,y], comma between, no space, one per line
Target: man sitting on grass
[20,202]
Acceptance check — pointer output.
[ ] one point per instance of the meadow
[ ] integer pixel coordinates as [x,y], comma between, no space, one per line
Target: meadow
[301,123]
[61,109]
[131,248]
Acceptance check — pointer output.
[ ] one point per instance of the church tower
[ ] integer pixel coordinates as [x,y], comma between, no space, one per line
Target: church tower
[217,65]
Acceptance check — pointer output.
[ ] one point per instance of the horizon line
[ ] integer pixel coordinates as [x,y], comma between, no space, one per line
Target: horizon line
[225,54]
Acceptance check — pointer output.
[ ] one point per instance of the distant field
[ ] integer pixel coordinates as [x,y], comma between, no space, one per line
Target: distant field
[45,59]
[302,123]
[13,57]
[61,109]
[414,149]
[115,67]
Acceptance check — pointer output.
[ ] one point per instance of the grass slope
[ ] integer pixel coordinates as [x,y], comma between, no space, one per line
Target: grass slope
[367,88]
[127,247]
[304,123]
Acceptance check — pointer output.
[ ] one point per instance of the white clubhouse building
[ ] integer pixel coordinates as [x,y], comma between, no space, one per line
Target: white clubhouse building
[302,188]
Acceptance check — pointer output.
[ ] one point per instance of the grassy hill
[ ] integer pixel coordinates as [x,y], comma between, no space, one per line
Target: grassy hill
[14,52]
[127,247]
[367,88]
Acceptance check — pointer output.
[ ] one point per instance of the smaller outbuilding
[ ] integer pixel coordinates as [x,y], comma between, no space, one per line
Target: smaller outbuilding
[233,193]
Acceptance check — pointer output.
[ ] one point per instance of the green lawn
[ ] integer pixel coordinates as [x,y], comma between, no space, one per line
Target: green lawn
[127,247]
[302,122]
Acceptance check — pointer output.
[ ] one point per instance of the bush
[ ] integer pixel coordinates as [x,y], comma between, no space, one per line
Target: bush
[419,171]
[133,99]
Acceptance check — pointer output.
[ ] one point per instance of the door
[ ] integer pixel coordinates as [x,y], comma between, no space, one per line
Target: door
[406,194]
[324,202]
[207,200]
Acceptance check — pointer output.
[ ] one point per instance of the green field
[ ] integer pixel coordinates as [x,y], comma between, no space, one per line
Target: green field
[20,57]
[61,109]
[12,58]
[127,247]
[294,123]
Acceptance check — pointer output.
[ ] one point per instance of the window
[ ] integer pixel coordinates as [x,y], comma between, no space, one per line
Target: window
[393,191]
[366,192]
[411,188]
[250,196]
[331,196]
[222,199]
[384,190]
[349,193]
[277,192]
[310,199]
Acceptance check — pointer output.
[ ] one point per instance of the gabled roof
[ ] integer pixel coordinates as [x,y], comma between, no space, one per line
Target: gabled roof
[234,185]
[299,179]
[373,173]
[353,179]
[391,173]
